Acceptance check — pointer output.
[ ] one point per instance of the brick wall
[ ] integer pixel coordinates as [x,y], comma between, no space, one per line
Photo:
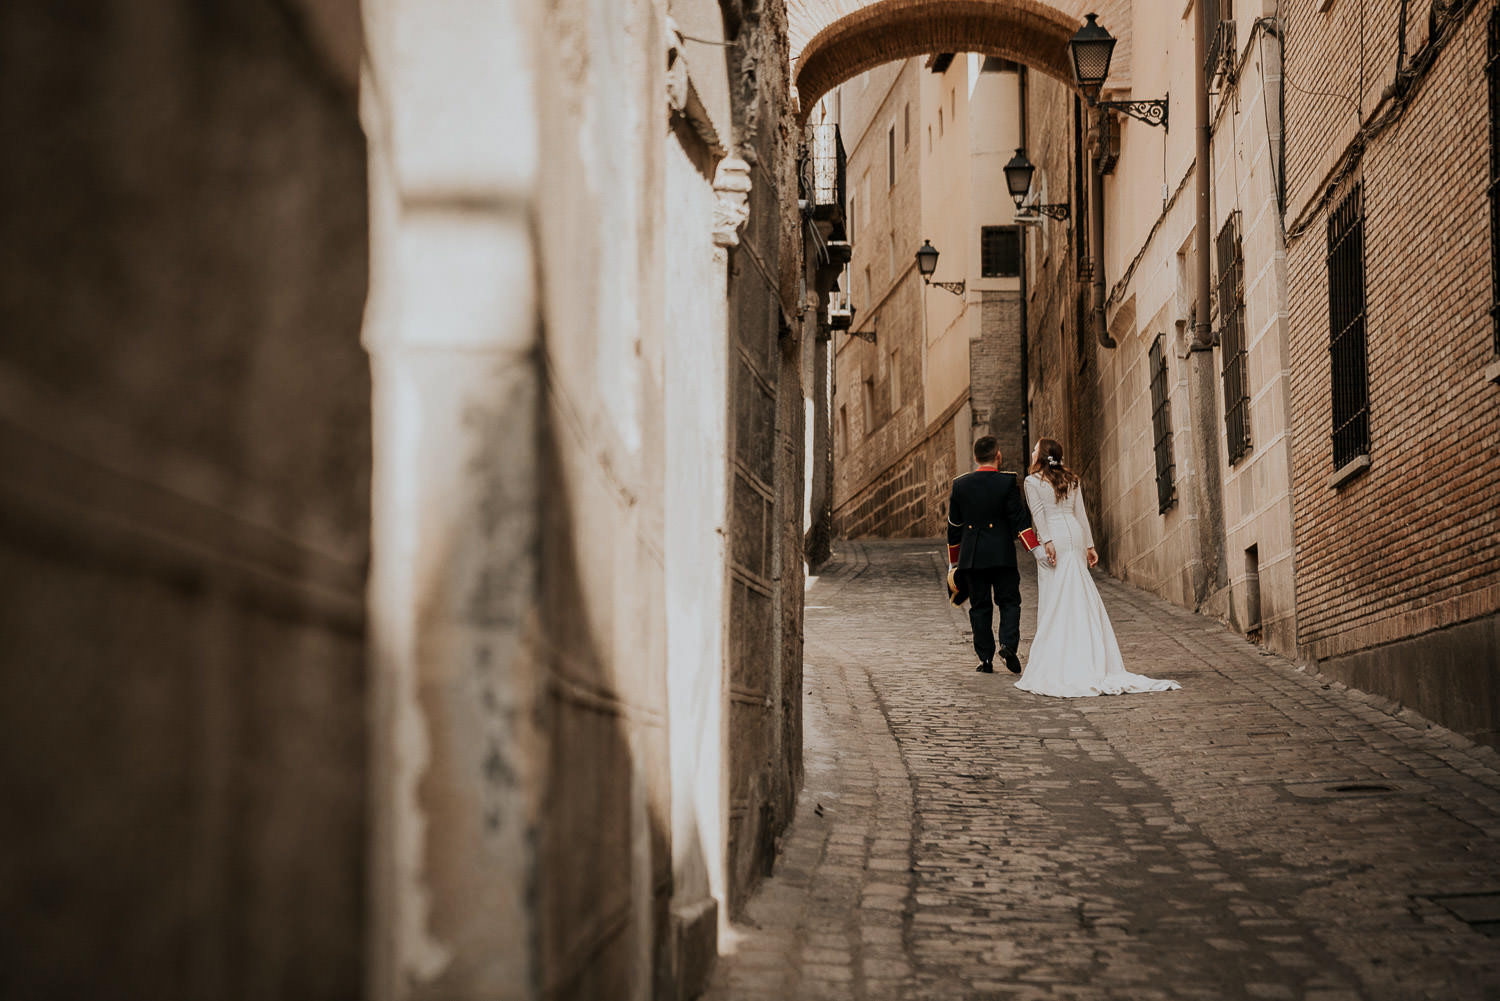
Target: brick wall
[1409,546]
[995,376]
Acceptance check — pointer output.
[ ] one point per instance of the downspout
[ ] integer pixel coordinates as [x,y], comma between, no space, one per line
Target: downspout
[1207,485]
[1025,294]
[1202,330]
[1096,239]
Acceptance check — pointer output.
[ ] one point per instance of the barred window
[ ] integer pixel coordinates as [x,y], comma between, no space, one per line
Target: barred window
[1000,251]
[1492,70]
[1231,298]
[1218,19]
[1161,426]
[1346,330]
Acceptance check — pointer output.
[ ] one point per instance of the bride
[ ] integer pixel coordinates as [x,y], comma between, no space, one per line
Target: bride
[1073,652]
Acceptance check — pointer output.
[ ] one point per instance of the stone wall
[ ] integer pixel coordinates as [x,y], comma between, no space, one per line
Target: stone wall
[878,419]
[184,514]
[1413,621]
[767,411]
[1221,542]
[1062,367]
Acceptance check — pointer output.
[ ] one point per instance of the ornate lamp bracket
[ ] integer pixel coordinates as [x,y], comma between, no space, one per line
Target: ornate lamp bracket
[1150,112]
[957,288]
[1057,210]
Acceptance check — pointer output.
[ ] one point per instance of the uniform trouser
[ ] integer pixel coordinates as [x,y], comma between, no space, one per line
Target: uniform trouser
[1005,584]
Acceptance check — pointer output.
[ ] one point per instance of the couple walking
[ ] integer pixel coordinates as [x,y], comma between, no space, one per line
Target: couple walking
[1074,653]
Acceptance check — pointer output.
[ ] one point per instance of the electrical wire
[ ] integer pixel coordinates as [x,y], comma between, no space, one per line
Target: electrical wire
[1278,151]
[1395,101]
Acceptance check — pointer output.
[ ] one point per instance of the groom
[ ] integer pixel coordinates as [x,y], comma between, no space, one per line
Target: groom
[985,514]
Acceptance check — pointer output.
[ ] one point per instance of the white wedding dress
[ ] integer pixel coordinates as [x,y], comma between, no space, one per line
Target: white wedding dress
[1073,653]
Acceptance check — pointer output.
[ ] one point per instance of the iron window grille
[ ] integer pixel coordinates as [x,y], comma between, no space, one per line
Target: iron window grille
[1000,251]
[1492,71]
[1346,330]
[1231,300]
[1161,426]
[1218,19]
[829,166]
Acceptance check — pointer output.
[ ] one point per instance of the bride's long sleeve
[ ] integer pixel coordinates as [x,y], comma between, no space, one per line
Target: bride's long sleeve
[1038,510]
[1082,515]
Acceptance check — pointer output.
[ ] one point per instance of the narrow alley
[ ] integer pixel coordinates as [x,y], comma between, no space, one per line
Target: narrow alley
[1262,833]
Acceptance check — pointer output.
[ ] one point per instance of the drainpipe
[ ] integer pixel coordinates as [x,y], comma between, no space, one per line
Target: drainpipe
[1096,238]
[1211,574]
[1025,320]
[1202,331]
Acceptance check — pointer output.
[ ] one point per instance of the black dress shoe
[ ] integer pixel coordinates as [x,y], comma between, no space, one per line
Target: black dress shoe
[1012,662]
[985,667]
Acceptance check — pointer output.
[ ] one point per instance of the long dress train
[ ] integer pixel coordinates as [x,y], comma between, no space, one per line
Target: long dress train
[1073,653]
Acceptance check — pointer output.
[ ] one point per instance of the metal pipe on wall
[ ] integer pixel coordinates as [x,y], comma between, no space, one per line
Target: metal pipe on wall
[1096,238]
[1202,330]
[1207,481]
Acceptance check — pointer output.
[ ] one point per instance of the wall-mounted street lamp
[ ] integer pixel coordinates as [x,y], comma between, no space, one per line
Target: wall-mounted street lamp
[1091,48]
[927,256]
[1018,179]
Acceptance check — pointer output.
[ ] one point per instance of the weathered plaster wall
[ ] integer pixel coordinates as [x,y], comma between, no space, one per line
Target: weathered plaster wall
[589,481]
[184,511]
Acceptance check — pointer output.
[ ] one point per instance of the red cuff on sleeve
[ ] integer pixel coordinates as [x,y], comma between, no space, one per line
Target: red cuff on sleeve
[953,554]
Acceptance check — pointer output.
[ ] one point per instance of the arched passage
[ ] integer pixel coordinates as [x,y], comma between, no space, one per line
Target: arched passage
[834,40]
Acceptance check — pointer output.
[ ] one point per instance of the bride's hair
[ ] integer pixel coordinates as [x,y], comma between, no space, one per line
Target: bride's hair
[1049,466]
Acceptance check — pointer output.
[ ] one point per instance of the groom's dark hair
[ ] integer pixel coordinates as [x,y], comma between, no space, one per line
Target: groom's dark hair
[986,449]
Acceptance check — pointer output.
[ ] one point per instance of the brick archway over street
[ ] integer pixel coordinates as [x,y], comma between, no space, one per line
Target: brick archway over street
[836,40]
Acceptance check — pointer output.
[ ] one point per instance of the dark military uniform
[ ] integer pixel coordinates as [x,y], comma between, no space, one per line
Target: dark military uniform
[985,514]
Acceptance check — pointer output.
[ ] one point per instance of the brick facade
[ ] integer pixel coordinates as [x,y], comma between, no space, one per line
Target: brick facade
[995,376]
[1408,547]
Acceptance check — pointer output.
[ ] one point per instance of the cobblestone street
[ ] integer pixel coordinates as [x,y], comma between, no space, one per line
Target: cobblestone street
[1260,834]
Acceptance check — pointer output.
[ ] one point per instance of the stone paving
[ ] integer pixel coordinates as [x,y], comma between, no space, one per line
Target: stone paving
[1261,834]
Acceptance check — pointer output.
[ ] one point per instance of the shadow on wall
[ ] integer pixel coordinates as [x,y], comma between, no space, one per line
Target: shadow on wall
[604,868]
[184,508]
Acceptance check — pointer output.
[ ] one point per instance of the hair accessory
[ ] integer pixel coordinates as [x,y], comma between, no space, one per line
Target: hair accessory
[1052,460]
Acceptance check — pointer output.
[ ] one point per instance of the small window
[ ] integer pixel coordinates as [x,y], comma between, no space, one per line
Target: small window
[940,123]
[1000,251]
[1231,302]
[1161,427]
[869,289]
[843,429]
[1346,330]
[895,376]
[890,158]
[929,138]
[869,401]
[906,127]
